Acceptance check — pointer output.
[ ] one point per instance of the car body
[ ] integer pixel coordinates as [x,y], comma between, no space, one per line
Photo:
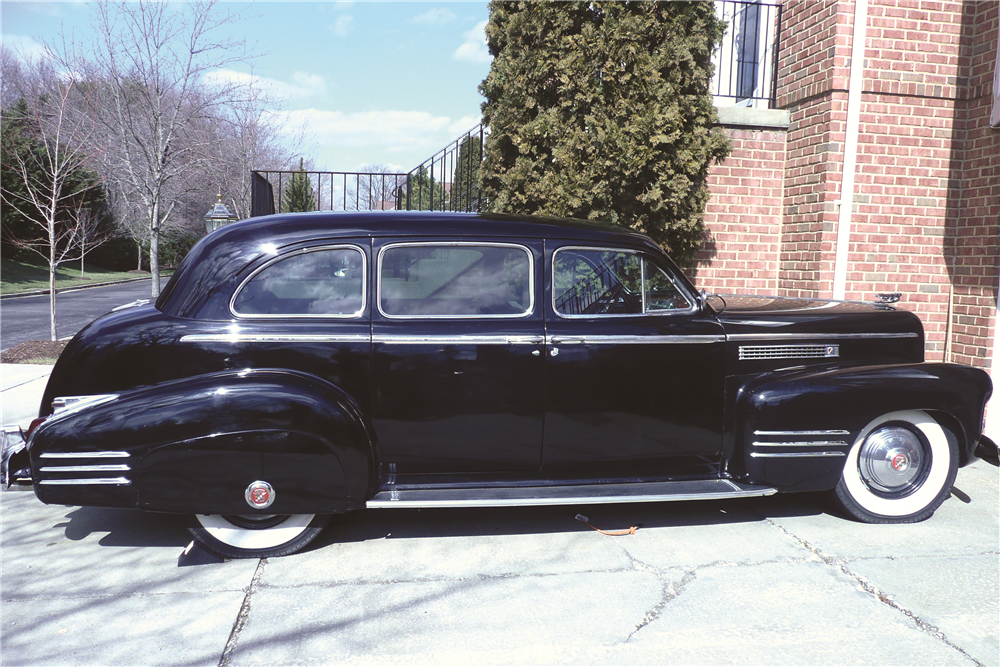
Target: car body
[301,365]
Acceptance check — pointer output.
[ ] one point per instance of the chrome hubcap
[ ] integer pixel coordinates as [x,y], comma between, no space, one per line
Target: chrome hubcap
[891,459]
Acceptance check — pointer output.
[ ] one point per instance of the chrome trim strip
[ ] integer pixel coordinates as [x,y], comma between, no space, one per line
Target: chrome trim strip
[831,432]
[302,251]
[586,500]
[635,340]
[642,255]
[94,468]
[275,338]
[819,336]
[793,455]
[389,339]
[815,443]
[85,455]
[454,244]
[105,481]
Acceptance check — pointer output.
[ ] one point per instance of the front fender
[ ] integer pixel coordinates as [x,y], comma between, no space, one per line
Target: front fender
[826,409]
[194,445]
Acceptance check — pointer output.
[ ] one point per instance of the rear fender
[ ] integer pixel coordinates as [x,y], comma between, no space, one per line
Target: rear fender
[794,428]
[195,445]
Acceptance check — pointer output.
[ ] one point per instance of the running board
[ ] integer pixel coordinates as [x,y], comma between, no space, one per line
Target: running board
[567,494]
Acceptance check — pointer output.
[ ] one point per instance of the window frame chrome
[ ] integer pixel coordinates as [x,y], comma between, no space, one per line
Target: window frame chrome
[290,316]
[643,255]
[454,244]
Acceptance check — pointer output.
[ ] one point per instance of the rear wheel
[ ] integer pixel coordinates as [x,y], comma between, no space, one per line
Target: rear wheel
[256,536]
[900,469]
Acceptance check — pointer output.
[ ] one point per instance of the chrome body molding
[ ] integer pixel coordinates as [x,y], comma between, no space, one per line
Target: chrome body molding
[815,443]
[104,481]
[763,352]
[635,340]
[85,455]
[458,340]
[802,433]
[91,468]
[401,503]
[821,336]
[793,455]
[275,338]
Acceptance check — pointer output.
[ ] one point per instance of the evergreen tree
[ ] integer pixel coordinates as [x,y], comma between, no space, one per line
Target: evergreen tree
[465,186]
[601,110]
[299,194]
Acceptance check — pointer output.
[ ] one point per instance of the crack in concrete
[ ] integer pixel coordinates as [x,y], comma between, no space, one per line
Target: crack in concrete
[871,589]
[241,618]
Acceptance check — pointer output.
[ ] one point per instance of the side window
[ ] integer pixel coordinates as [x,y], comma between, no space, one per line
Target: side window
[325,282]
[660,293]
[455,280]
[595,281]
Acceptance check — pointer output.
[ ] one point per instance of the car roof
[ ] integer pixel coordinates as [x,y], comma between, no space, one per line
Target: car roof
[421,223]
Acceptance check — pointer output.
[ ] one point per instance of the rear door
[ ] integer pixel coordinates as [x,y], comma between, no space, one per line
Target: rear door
[457,364]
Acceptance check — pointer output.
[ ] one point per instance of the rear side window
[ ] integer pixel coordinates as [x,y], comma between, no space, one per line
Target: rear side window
[597,281]
[320,282]
[455,280]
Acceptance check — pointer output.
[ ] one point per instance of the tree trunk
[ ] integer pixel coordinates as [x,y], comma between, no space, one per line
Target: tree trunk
[52,291]
[138,245]
[154,248]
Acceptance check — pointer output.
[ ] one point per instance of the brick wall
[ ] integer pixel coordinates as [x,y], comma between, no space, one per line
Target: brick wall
[744,215]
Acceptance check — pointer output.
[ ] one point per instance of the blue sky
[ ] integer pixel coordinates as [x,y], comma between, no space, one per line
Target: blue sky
[370,82]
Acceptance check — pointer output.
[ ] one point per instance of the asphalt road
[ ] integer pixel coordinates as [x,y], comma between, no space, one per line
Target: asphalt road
[27,318]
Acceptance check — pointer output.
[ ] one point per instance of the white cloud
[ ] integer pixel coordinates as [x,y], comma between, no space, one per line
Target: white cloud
[474,49]
[436,16]
[463,125]
[393,131]
[23,47]
[342,26]
[304,84]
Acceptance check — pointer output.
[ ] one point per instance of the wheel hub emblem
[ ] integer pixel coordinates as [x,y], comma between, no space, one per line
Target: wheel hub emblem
[260,495]
[900,462]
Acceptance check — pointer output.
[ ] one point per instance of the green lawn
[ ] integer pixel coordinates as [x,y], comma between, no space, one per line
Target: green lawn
[25,276]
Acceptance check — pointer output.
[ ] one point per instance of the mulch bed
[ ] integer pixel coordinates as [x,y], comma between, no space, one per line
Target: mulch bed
[33,351]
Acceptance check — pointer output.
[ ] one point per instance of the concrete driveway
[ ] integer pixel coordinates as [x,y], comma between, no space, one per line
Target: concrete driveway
[773,581]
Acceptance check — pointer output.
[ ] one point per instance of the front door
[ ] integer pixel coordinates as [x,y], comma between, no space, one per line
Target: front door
[634,373]
[457,364]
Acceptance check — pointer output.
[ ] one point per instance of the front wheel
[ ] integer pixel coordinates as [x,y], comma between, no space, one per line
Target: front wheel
[256,536]
[900,469]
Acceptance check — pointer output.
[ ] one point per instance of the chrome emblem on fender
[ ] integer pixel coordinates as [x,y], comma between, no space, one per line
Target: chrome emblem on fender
[260,495]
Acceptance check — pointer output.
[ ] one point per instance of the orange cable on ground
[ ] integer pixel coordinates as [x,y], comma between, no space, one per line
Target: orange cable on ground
[613,533]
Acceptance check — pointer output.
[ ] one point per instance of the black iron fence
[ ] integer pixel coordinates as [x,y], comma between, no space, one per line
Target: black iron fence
[746,63]
[288,191]
[449,179]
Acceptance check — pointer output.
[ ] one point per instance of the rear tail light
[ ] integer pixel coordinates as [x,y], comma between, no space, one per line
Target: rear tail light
[35,423]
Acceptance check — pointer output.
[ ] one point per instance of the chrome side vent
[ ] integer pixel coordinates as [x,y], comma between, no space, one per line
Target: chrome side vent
[788,351]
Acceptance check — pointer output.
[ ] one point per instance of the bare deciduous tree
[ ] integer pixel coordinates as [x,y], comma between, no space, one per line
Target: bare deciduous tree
[153,57]
[377,187]
[49,155]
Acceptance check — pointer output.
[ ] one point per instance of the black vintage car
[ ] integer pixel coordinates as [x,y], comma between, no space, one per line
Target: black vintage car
[301,365]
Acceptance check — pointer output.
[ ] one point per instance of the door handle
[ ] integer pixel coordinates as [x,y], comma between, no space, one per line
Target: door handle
[566,340]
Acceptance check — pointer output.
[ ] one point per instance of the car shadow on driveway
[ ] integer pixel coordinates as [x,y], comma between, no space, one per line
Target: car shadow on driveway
[130,528]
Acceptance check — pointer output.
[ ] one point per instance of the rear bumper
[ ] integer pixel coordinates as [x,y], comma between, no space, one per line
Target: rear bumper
[15,467]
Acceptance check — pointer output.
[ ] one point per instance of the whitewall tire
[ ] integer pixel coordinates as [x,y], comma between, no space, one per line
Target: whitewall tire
[256,536]
[899,470]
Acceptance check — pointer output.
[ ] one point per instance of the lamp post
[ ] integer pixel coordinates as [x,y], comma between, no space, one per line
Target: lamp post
[218,215]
